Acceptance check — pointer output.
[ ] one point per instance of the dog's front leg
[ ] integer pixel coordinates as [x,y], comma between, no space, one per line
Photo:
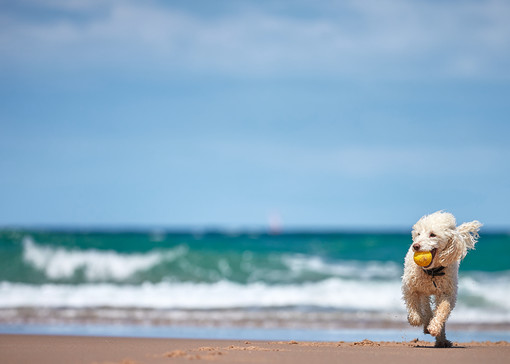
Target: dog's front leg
[444,306]
[414,314]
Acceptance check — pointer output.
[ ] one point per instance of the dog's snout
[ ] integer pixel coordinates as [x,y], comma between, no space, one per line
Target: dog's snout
[416,246]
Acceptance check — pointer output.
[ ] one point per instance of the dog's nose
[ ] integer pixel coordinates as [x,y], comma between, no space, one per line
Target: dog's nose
[416,246]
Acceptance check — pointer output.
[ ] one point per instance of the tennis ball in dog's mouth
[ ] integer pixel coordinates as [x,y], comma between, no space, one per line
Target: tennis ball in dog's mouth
[423,258]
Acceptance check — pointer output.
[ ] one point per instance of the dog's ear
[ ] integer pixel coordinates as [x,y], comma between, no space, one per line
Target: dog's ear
[468,232]
[462,239]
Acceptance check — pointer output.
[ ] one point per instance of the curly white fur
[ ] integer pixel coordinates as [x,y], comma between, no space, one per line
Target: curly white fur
[449,244]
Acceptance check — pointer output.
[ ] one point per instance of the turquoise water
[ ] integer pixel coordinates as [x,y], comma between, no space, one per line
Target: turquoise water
[34,257]
[216,279]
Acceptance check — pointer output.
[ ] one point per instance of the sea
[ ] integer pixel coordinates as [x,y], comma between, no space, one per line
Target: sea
[302,285]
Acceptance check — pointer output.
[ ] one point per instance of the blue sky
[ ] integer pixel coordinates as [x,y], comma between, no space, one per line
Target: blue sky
[347,114]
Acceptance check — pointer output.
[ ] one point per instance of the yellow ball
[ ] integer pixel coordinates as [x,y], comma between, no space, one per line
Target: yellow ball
[423,258]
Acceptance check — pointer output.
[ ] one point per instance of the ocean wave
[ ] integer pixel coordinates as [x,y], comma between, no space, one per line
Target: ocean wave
[355,269]
[332,293]
[61,263]
[181,264]
[488,292]
[475,297]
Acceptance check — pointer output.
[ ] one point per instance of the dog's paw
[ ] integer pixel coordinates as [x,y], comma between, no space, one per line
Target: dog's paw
[434,328]
[443,344]
[414,319]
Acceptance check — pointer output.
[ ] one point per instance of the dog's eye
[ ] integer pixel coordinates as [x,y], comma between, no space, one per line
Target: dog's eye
[432,235]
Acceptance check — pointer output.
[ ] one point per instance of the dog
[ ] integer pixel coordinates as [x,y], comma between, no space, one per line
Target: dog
[438,234]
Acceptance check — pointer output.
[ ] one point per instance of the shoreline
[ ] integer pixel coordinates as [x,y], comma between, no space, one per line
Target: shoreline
[241,318]
[248,333]
[107,350]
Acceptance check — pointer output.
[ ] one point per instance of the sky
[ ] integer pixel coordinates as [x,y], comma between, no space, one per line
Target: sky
[250,114]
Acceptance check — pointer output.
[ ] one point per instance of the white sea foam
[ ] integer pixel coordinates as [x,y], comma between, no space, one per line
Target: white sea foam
[334,293]
[58,263]
[490,293]
[364,270]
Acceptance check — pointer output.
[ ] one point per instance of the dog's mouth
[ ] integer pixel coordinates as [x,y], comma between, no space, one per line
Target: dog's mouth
[433,252]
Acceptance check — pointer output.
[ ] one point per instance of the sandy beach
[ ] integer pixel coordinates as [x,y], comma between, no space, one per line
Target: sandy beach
[104,350]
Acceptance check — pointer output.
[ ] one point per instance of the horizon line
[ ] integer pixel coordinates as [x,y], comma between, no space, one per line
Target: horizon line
[225,229]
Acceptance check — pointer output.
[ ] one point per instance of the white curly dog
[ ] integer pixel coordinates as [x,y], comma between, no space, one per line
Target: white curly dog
[436,233]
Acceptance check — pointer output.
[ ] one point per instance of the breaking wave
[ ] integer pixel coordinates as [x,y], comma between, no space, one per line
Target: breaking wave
[478,300]
[61,264]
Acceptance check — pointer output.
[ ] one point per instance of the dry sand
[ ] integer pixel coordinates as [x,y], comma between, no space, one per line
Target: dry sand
[102,350]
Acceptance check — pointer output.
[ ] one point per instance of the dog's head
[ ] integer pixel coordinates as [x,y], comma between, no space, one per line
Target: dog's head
[437,233]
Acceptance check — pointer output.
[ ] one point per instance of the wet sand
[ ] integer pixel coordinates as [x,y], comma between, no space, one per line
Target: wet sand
[104,350]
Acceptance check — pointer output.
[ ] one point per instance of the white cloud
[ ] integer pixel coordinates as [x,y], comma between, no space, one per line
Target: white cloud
[355,38]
